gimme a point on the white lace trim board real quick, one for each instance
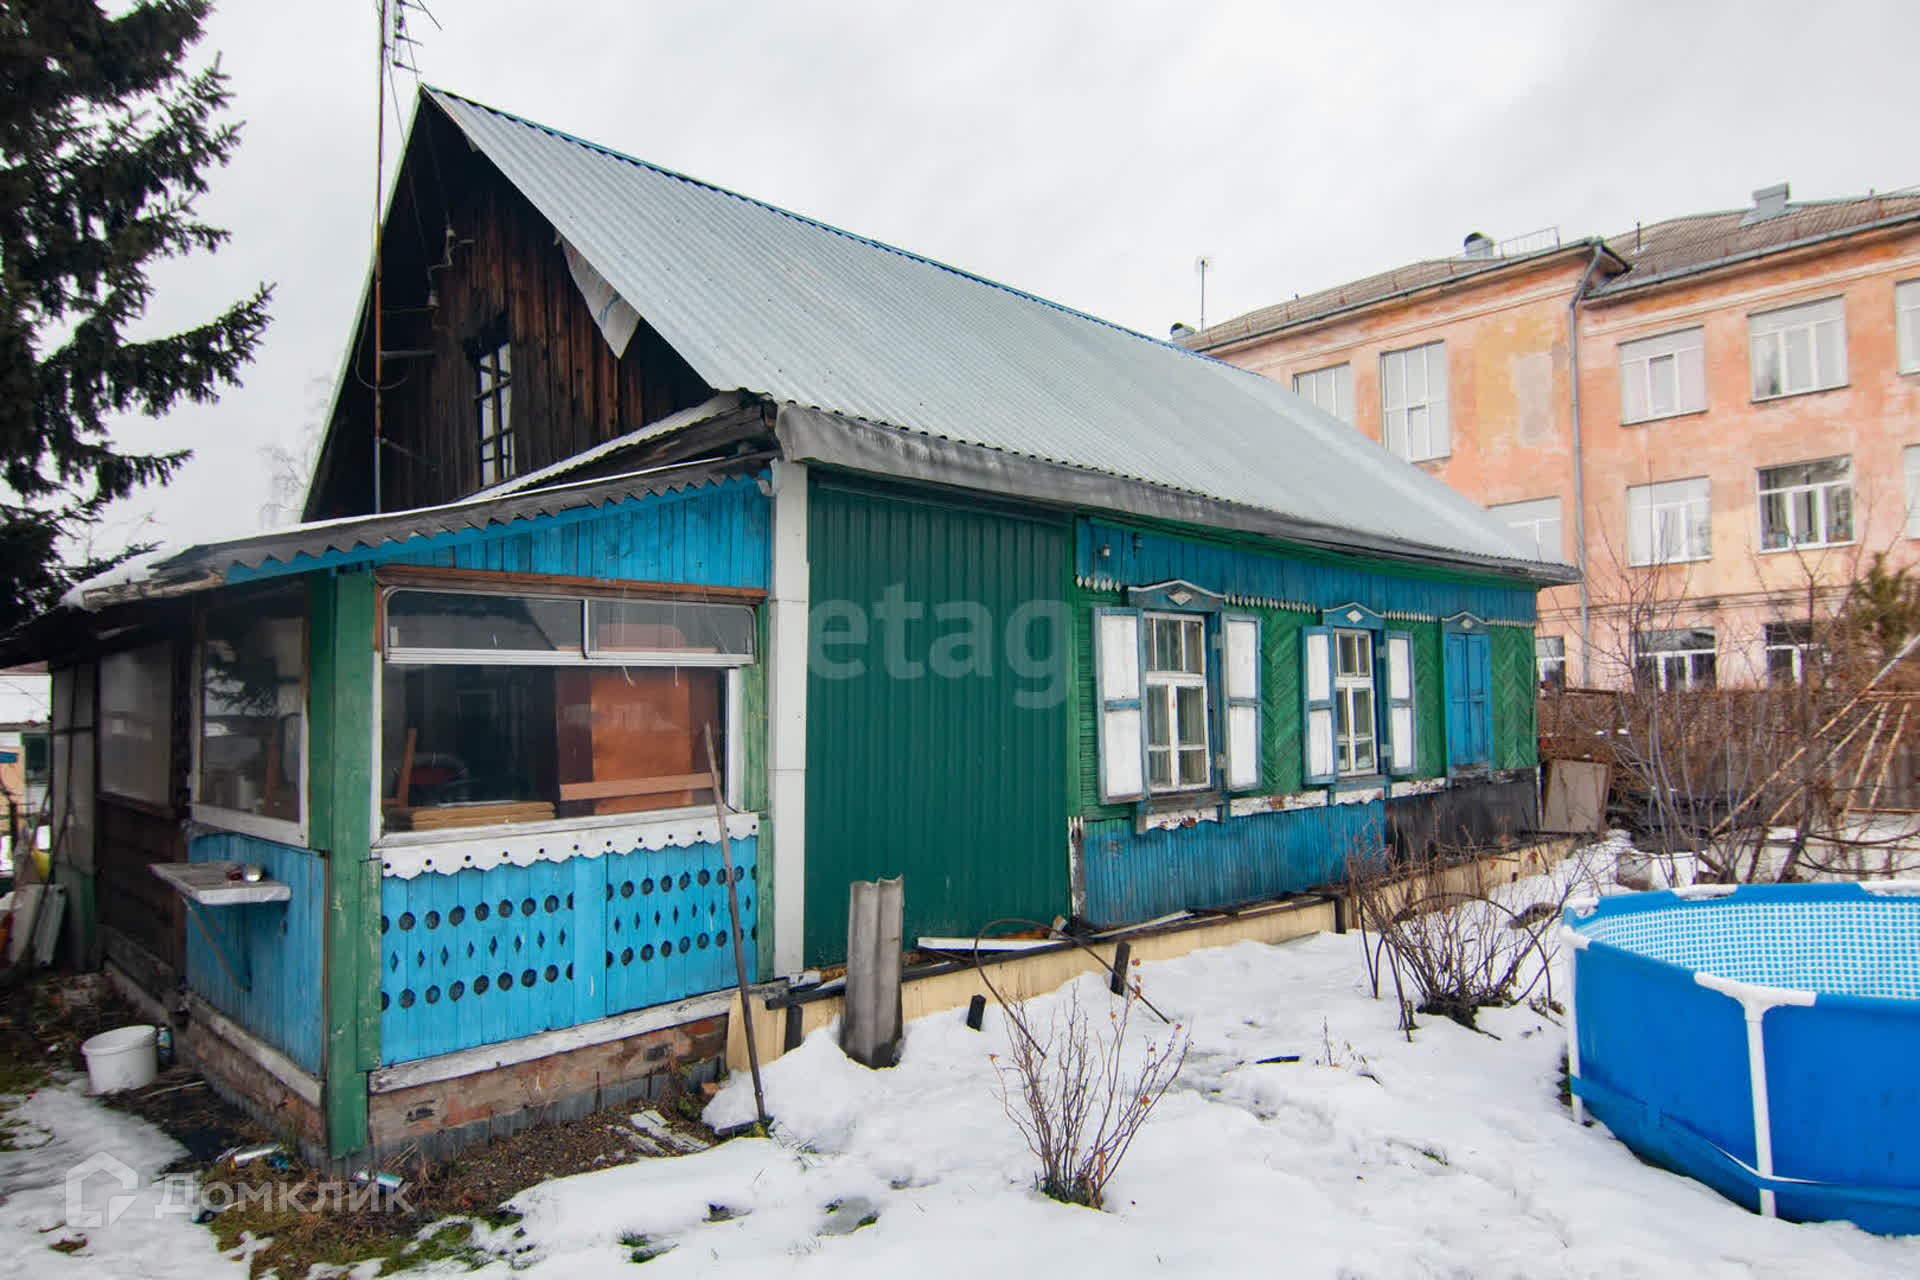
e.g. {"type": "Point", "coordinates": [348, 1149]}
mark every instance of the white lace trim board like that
{"type": "Point", "coordinates": [523, 849]}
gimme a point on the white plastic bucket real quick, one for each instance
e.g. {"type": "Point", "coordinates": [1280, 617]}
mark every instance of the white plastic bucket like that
{"type": "Point", "coordinates": [123, 1058]}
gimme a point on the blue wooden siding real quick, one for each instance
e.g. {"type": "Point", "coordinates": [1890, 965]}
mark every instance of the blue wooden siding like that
{"type": "Point", "coordinates": [1132, 877]}
{"type": "Point", "coordinates": [477, 957]}
{"type": "Point", "coordinates": [718, 535]}
{"type": "Point", "coordinates": [274, 947]}
{"type": "Point", "coordinates": [1137, 559]}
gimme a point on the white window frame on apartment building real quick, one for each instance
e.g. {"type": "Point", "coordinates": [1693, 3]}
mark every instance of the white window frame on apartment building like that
{"type": "Point", "coordinates": [1663, 376]}
{"type": "Point", "coordinates": [1684, 658]}
{"type": "Point", "coordinates": [1669, 522]}
{"type": "Point", "coordinates": [1911, 465]}
{"type": "Point", "coordinates": [1806, 504]}
{"type": "Point", "coordinates": [1550, 661]}
{"type": "Point", "coordinates": [1790, 650]}
{"type": "Point", "coordinates": [1798, 349]}
{"type": "Point", "coordinates": [1330, 389]}
{"type": "Point", "coordinates": [1413, 402]}
{"type": "Point", "coordinates": [1537, 521]}
{"type": "Point", "coordinates": [1906, 323]}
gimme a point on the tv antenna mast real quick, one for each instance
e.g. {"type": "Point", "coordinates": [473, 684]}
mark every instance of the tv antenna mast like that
{"type": "Point", "coordinates": [1201, 264]}
{"type": "Point", "coordinates": [396, 52]}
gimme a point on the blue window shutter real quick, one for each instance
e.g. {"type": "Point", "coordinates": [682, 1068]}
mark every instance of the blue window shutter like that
{"type": "Point", "coordinates": [1469, 722]}
{"type": "Point", "coordinates": [1240, 682]}
{"type": "Point", "coordinates": [1401, 734]}
{"type": "Point", "coordinates": [1316, 690]}
{"type": "Point", "coordinates": [1119, 719]}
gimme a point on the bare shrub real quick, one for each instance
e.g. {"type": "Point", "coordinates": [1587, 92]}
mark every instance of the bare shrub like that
{"type": "Point", "coordinates": [1453, 932]}
{"type": "Point", "coordinates": [1066, 1089]}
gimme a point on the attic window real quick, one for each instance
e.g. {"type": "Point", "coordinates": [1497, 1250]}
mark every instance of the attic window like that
{"type": "Point", "coordinates": [493, 381]}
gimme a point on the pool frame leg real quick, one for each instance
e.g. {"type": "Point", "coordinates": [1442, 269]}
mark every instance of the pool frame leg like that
{"type": "Point", "coordinates": [1754, 1002]}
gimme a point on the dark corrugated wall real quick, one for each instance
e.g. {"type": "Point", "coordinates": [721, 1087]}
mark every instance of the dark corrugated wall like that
{"type": "Point", "coordinates": [956, 781]}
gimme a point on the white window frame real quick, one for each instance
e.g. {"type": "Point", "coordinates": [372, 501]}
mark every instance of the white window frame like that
{"type": "Point", "coordinates": [1906, 323]}
{"type": "Point", "coordinates": [1414, 426]}
{"type": "Point", "coordinates": [1353, 689]}
{"type": "Point", "coordinates": [1550, 654]}
{"type": "Point", "coordinates": [1163, 685]}
{"type": "Point", "coordinates": [493, 409]}
{"type": "Point", "coordinates": [732, 697]}
{"type": "Point", "coordinates": [1678, 669]}
{"type": "Point", "coordinates": [1820, 497]}
{"type": "Point", "coordinates": [1674, 363]}
{"type": "Point", "coordinates": [1793, 637]}
{"type": "Point", "coordinates": [279, 830]}
{"type": "Point", "coordinates": [1771, 339]}
{"type": "Point", "coordinates": [1667, 506]}
{"type": "Point", "coordinates": [1329, 389]}
{"type": "Point", "coordinates": [1539, 522]}
{"type": "Point", "coordinates": [1910, 460]}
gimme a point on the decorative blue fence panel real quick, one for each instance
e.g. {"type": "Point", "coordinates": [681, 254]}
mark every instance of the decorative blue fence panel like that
{"type": "Point", "coordinates": [668, 932]}
{"type": "Point", "coordinates": [265, 974]}
{"type": "Point", "coordinates": [1132, 877]}
{"type": "Point", "coordinates": [1110, 553]}
{"type": "Point", "coordinates": [481, 956]}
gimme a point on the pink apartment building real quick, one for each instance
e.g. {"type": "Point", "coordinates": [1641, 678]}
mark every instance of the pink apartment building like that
{"type": "Point", "coordinates": [1720, 412]}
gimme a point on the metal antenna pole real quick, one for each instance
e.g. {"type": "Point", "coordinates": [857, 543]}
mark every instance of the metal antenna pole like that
{"type": "Point", "coordinates": [379, 177]}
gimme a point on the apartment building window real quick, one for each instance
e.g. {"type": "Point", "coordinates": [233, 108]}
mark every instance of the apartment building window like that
{"type": "Point", "coordinates": [1413, 399]}
{"type": "Point", "coordinates": [1791, 651]}
{"type": "Point", "coordinates": [1536, 521]}
{"type": "Point", "coordinates": [1912, 460]}
{"type": "Point", "coordinates": [1663, 376]}
{"type": "Point", "coordinates": [1669, 522]}
{"type": "Point", "coordinates": [493, 382]}
{"type": "Point", "coordinates": [1798, 349]}
{"type": "Point", "coordinates": [1808, 504]}
{"type": "Point", "coordinates": [1673, 660]}
{"type": "Point", "coordinates": [1550, 661]}
{"type": "Point", "coordinates": [1330, 389]}
{"type": "Point", "coordinates": [1906, 318]}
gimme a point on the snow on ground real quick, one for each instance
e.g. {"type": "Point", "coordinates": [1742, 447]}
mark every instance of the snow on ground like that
{"type": "Point", "coordinates": [1369, 1157]}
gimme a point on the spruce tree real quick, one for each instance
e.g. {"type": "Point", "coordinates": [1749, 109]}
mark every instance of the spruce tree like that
{"type": "Point", "coordinates": [106, 135]}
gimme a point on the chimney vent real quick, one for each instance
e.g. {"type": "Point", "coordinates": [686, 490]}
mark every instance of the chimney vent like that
{"type": "Point", "coordinates": [1478, 246]}
{"type": "Point", "coordinates": [1768, 202]}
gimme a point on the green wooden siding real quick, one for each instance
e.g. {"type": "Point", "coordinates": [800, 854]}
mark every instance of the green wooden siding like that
{"type": "Point", "coordinates": [953, 781]}
{"type": "Point", "coordinates": [340, 706]}
{"type": "Point", "coordinates": [1516, 742]}
{"type": "Point", "coordinates": [1430, 700]}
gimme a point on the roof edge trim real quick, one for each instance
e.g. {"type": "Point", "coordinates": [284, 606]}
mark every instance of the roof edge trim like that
{"type": "Point", "coordinates": [817, 435]}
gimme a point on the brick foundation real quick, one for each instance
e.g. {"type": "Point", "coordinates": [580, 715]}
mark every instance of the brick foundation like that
{"type": "Point", "coordinates": [442, 1116]}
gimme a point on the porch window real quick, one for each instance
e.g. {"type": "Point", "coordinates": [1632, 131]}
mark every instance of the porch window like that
{"type": "Point", "coordinates": [253, 710]}
{"type": "Point", "coordinates": [500, 708]}
{"type": "Point", "coordinates": [136, 712]}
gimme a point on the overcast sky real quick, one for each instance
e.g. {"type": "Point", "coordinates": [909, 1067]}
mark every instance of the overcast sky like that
{"type": "Point", "coordinates": [1085, 152]}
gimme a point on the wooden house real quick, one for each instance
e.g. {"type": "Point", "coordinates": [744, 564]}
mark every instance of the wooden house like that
{"type": "Point", "coordinates": [1051, 618]}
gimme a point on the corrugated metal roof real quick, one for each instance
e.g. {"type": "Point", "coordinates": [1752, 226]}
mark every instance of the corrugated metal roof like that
{"type": "Point", "coordinates": [756, 298]}
{"type": "Point", "coordinates": [1686, 246]}
{"type": "Point", "coordinates": [176, 571]}
{"type": "Point", "coordinates": [1358, 293]}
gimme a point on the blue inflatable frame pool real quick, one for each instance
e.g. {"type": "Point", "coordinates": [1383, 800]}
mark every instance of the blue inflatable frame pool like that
{"type": "Point", "coordinates": [1764, 1039]}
